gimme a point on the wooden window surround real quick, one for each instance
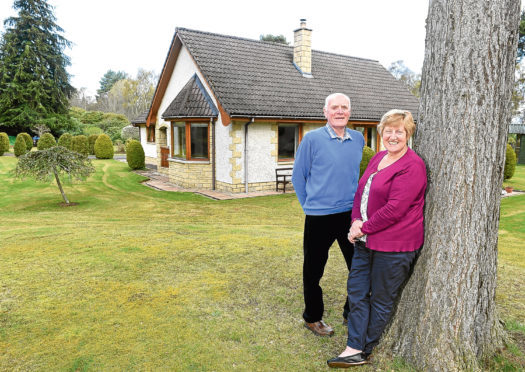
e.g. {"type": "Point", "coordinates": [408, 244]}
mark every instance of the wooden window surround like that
{"type": "Point", "coordinates": [190, 140]}
{"type": "Point", "coordinates": [150, 133]}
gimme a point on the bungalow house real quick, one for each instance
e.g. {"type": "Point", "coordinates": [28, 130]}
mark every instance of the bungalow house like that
{"type": "Point", "coordinates": [227, 111]}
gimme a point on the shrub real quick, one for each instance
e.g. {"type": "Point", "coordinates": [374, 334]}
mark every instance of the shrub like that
{"type": "Point", "coordinates": [80, 144]}
{"type": "Point", "coordinates": [104, 147]}
{"type": "Point", "coordinates": [135, 155]}
{"type": "Point", "coordinates": [129, 132]}
{"type": "Point", "coordinates": [91, 129]}
{"type": "Point", "coordinates": [28, 139]}
{"type": "Point", "coordinates": [4, 143]}
{"type": "Point", "coordinates": [65, 140]}
{"type": "Point", "coordinates": [46, 141]}
{"type": "Point", "coordinates": [20, 147]}
{"type": "Point", "coordinates": [510, 163]}
{"type": "Point", "coordinates": [91, 143]}
{"type": "Point", "coordinates": [113, 133]}
{"type": "Point", "coordinates": [368, 153]}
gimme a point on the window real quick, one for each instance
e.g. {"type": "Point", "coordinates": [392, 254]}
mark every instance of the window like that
{"type": "Point", "coordinates": [199, 140]}
{"type": "Point", "coordinates": [370, 134]}
{"type": "Point", "coordinates": [190, 141]}
{"type": "Point", "coordinates": [288, 141]}
{"type": "Point", "coordinates": [150, 133]}
{"type": "Point", "coordinates": [179, 140]}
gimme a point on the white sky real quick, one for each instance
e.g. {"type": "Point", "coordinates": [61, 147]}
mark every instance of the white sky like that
{"type": "Point", "coordinates": [130, 34]}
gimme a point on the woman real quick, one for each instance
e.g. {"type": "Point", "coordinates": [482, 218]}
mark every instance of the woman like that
{"type": "Point", "coordinates": [387, 229]}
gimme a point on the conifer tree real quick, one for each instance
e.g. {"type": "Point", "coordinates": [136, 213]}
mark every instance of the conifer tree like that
{"type": "Point", "coordinates": [34, 83]}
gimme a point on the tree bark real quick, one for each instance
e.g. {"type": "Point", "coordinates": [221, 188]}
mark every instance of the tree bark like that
{"type": "Point", "coordinates": [446, 318]}
{"type": "Point", "coordinates": [60, 187]}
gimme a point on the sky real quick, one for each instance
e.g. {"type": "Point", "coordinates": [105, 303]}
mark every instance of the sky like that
{"type": "Point", "coordinates": [125, 35]}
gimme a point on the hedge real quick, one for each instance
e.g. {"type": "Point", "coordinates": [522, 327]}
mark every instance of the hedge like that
{"type": "Point", "coordinates": [46, 141]}
{"type": "Point", "coordinates": [135, 155]}
{"type": "Point", "coordinates": [4, 143]}
{"type": "Point", "coordinates": [104, 147]}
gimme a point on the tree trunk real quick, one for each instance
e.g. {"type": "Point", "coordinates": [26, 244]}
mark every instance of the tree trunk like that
{"type": "Point", "coordinates": [446, 318]}
{"type": "Point", "coordinates": [60, 186]}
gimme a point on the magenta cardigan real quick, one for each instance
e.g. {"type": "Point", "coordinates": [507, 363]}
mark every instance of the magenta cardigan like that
{"type": "Point", "coordinates": [395, 204]}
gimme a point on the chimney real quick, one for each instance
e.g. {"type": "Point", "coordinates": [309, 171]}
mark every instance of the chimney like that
{"type": "Point", "coordinates": [302, 49]}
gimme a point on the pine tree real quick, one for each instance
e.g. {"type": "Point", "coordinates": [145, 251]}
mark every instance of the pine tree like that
{"type": "Point", "coordinates": [34, 83]}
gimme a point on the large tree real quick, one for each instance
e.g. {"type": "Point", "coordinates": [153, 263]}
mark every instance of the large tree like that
{"type": "Point", "coordinates": [34, 83]}
{"type": "Point", "coordinates": [279, 39]}
{"type": "Point", "coordinates": [446, 319]}
{"type": "Point", "coordinates": [109, 79]}
{"type": "Point", "coordinates": [129, 96]}
{"type": "Point", "coordinates": [401, 72]}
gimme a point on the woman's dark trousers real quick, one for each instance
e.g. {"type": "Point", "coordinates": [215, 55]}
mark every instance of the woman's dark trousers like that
{"type": "Point", "coordinates": [320, 232]}
{"type": "Point", "coordinates": [373, 285]}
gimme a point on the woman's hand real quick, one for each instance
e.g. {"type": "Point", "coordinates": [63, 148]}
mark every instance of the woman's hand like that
{"type": "Point", "coordinates": [355, 231]}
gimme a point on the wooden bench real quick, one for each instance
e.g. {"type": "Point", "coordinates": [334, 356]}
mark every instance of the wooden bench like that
{"type": "Point", "coordinates": [283, 176]}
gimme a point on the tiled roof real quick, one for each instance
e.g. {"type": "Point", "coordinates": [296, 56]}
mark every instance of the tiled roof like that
{"type": "Point", "coordinates": [257, 78]}
{"type": "Point", "coordinates": [192, 101]}
{"type": "Point", "coordinates": [141, 119]}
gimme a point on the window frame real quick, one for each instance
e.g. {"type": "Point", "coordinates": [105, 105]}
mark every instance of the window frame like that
{"type": "Point", "coordinates": [187, 134]}
{"type": "Point", "coordinates": [299, 139]}
{"type": "Point", "coordinates": [150, 133]}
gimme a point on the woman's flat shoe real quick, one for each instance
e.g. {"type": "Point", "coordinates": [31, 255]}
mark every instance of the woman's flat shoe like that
{"type": "Point", "coordinates": [347, 361]}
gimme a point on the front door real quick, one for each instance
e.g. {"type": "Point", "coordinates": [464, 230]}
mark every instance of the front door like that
{"type": "Point", "coordinates": [164, 153]}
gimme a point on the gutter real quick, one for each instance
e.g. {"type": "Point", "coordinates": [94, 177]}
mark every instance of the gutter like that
{"type": "Point", "coordinates": [246, 154]}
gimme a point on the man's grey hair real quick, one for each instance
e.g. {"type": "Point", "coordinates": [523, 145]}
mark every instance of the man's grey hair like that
{"type": "Point", "coordinates": [333, 95]}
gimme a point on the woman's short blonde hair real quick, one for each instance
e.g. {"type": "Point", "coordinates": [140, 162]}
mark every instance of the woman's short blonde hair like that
{"type": "Point", "coordinates": [394, 116]}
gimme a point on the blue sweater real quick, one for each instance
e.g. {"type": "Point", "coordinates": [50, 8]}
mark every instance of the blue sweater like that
{"type": "Point", "coordinates": [326, 171]}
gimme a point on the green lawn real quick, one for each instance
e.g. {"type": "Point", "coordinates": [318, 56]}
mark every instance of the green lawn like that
{"type": "Point", "coordinates": [137, 279]}
{"type": "Point", "coordinates": [518, 180]}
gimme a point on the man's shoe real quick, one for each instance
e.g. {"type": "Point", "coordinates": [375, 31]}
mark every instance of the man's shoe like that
{"type": "Point", "coordinates": [347, 361]}
{"type": "Point", "coordinates": [320, 328]}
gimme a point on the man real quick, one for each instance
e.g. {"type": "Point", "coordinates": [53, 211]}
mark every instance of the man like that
{"type": "Point", "coordinates": [325, 175]}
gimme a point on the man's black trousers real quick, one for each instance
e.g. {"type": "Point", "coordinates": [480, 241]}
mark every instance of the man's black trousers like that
{"type": "Point", "coordinates": [320, 232]}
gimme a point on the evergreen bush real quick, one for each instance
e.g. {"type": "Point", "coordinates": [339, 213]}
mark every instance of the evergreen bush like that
{"type": "Point", "coordinates": [4, 143]}
{"type": "Point", "coordinates": [91, 143]}
{"type": "Point", "coordinates": [368, 153]}
{"type": "Point", "coordinates": [65, 140]}
{"type": "Point", "coordinates": [510, 163]}
{"type": "Point", "coordinates": [20, 147]}
{"type": "Point", "coordinates": [46, 141]}
{"type": "Point", "coordinates": [28, 139]}
{"type": "Point", "coordinates": [104, 147]}
{"type": "Point", "coordinates": [88, 130]}
{"type": "Point", "coordinates": [135, 155]}
{"type": "Point", "coordinates": [80, 144]}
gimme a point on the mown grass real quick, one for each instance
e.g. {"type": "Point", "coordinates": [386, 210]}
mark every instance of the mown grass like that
{"type": "Point", "coordinates": [518, 180]}
{"type": "Point", "coordinates": [137, 279]}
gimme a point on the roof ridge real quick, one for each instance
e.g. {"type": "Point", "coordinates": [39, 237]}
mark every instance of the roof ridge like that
{"type": "Point", "coordinates": [268, 43]}
{"type": "Point", "coordinates": [177, 29]}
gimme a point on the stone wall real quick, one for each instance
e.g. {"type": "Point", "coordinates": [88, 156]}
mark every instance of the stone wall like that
{"type": "Point", "coordinates": [191, 175]}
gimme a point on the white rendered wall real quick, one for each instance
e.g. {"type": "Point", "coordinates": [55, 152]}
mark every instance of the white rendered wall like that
{"type": "Point", "coordinates": [150, 148]}
{"type": "Point", "coordinates": [261, 163]}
